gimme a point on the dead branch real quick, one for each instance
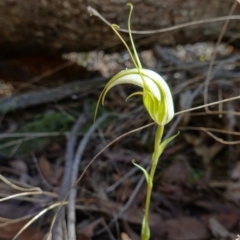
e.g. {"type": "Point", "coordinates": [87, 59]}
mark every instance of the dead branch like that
{"type": "Point", "coordinates": [34, 98]}
{"type": "Point", "coordinates": [65, 186]}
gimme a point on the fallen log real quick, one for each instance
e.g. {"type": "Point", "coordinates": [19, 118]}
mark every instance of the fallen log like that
{"type": "Point", "coordinates": [39, 26]}
{"type": "Point", "coordinates": [35, 98]}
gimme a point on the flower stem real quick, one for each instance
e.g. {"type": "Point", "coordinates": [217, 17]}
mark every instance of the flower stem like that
{"type": "Point", "coordinates": [145, 234]}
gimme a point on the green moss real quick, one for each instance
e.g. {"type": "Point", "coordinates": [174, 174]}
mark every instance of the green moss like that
{"type": "Point", "coordinates": [48, 122]}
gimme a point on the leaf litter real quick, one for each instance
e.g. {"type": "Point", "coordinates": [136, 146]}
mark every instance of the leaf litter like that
{"type": "Point", "coordinates": [196, 190]}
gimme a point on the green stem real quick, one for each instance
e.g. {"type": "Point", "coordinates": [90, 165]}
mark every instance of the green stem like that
{"type": "Point", "coordinates": [156, 154]}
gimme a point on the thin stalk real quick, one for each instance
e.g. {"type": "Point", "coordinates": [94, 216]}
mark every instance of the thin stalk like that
{"type": "Point", "coordinates": [114, 28]}
{"type": "Point", "coordinates": [131, 38]}
{"type": "Point", "coordinates": [145, 235]}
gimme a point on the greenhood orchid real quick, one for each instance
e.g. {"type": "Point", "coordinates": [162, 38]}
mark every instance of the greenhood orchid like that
{"type": "Point", "coordinates": [156, 94]}
{"type": "Point", "coordinates": [157, 100]}
{"type": "Point", "coordinates": [157, 97]}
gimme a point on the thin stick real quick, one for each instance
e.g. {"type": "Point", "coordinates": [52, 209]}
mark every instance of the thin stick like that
{"type": "Point", "coordinates": [66, 181]}
{"type": "Point", "coordinates": [12, 185]}
{"type": "Point", "coordinates": [27, 199]}
{"type": "Point", "coordinates": [210, 129]}
{"type": "Point", "coordinates": [37, 134]}
{"type": "Point", "coordinates": [94, 12]}
{"type": "Point", "coordinates": [221, 140]}
{"type": "Point", "coordinates": [28, 193]}
{"type": "Point", "coordinates": [37, 216]}
{"type": "Point", "coordinates": [207, 131]}
{"type": "Point", "coordinates": [206, 105]}
{"type": "Point", "coordinates": [215, 113]}
{"type": "Point", "coordinates": [74, 173]}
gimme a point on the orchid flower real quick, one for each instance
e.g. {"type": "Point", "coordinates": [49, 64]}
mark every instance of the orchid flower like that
{"type": "Point", "coordinates": [158, 102]}
{"type": "Point", "coordinates": [157, 97]}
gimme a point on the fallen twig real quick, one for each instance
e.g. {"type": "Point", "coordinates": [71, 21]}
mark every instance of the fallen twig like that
{"type": "Point", "coordinates": [66, 182]}
{"type": "Point", "coordinates": [74, 173]}
{"type": "Point", "coordinates": [34, 98]}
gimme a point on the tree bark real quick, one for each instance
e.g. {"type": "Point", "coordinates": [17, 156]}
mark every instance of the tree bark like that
{"type": "Point", "coordinates": [33, 26]}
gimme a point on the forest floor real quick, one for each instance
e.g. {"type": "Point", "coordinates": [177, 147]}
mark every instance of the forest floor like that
{"type": "Point", "coordinates": [47, 131]}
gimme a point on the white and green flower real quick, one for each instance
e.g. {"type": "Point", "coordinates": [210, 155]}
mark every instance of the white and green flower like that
{"type": "Point", "coordinates": [157, 97]}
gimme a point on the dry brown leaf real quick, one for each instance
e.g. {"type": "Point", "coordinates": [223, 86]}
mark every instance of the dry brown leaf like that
{"type": "Point", "coordinates": [124, 191]}
{"type": "Point", "coordinates": [174, 178]}
{"type": "Point", "coordinates": [131, 215]}
{"type": "Point", "coordinates": [124, 236]}
{"type": "Point", "coordinates": [227, 220]}
{"type": "Point", "coordinates": [87, 232]}
{"type": "Point", "coordinates": [9, 231]}
{"type": "Point", "coordinates": [47, 170]}
{"type": "Point", "coordinates": [184, 228]}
